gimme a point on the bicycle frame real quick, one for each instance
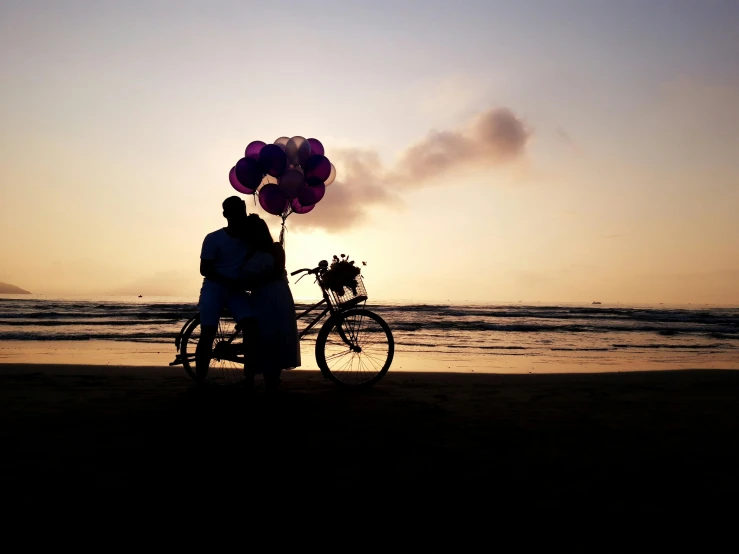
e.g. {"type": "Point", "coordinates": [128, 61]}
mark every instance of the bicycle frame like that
{"type": "Point", "coordinates": [318, 318]}
{"type": "Point", "coordinates": [329, 308]}
{"type": "Point", "coordinates": [324, 301]}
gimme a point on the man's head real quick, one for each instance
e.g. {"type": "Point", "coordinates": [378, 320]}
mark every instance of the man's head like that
{"type": "Point", "coordinates": [234, 209]}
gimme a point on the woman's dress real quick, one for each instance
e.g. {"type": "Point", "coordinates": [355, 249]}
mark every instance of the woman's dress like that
{"type": "Point", "coordinates": [274, 309]}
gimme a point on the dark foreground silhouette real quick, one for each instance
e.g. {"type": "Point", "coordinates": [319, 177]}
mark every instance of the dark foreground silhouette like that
{"type": "Point", "coordinates": [559, 445]}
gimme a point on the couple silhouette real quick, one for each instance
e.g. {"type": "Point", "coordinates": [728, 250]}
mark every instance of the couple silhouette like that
{"type": "Point", "coordinates": [243, 270]}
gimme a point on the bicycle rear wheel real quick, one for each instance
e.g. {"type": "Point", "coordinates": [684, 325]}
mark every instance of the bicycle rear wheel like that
{"type": "Point", "coordinates": [227, 353]}
{"type": "Point", "coordinates": [355, 348]}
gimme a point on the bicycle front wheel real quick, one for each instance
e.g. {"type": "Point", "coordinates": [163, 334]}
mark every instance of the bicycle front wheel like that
{"type": "Point", "coordinates": [355, 348]}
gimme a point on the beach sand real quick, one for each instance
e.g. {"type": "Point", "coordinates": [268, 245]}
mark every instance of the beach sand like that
{"type": "Point", "coordinates": [609, 443]}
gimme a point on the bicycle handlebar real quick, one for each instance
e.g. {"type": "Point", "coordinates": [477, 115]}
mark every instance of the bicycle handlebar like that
{"type": "Point", "coordinates": [322, 265]}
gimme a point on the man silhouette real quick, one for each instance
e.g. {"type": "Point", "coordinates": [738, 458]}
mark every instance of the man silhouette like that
{"type": "Point", "coordinates": [224, 253]}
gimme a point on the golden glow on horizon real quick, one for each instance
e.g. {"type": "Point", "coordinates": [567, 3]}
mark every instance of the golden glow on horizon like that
{"type": "Point", "coordinates": [114, 168]}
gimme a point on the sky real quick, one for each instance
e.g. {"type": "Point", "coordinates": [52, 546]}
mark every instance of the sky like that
{"type": "Point", "coordinates": [552, 151]}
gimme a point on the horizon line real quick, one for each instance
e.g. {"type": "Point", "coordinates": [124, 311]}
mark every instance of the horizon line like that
{"type": "Point", "coordinates": [313, 299]}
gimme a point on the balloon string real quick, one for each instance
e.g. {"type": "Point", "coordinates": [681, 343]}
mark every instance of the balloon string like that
{"type": "Point", "coordinates": [282, 234]}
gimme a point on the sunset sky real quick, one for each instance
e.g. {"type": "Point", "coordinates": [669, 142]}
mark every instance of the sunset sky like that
{"type": "Point", "coordinates": [486, 151]}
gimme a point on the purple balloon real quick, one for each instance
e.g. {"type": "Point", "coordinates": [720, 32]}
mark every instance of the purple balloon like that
{"type": "Point", "coordinates": [249, 173]}
{"type": "Point", "coordinates": [253, 149]}
{"type": "Point", "coordinates": [312, 194]}
{"type": "Point", "coordinates": [318, 167]}
{"type": "Point", "coordinates": [272, 159]}
{"type": "Point", "coordinates": [316, 147]}
{"type": "Point", "coordinates": [292, 182]}
{"type": "Point", "coordinates": [272, 199]}
{"type": "Point", "coordinates": [235, 182]}
{"type": "Point", "coordinates": [299, 208]}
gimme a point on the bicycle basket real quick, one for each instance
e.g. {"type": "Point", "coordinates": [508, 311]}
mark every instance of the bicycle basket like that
{"type": "Point", "coordinates": [347, 296]}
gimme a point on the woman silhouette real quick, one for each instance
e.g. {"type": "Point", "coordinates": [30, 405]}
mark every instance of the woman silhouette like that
{"type": "Point", "coordinates": [272, 303]}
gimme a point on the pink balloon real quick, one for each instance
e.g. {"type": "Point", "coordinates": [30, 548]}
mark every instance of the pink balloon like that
{"type": "Point", "coordinates": [253, 149]}
{"type": "Point", "coordinates": [235, 182]}
{"type": "Point", "coordinates": [298, 208]}
{"type": "Point", "coordinates": [292, 182]}
{"type": "Point", "coordinates": [272, 199]}
{"type": "Point", "coordinates": [316, 147]}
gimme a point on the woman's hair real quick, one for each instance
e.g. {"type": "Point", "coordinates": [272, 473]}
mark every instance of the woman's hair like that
{"type": "Point", "coordinates": [257, 233]}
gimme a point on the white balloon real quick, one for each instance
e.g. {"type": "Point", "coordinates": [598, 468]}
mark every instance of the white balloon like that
{"type": "Point", "coordinates": [298, 150]}
{"type": "Point", "coordinates": [282, 142]}
{"type": "Point", "coordinates": [331, 176]}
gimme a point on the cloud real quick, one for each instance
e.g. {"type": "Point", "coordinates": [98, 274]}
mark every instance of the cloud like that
{"type": "Point", "coordinates": [348, 200]}
{"type": "Point", "coordinates": [493, 138]}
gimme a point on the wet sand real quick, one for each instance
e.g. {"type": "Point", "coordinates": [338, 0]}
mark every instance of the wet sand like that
{"type": "Point", "coordinates": [652, 443]}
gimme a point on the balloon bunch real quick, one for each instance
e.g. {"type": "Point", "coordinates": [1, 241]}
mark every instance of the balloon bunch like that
{"type": "Point", "coordinates": [289, 176]}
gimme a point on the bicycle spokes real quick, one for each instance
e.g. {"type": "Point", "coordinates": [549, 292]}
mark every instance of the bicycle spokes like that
{"type": "Point", "coordinates": [227, 353]}
{"type": "Point", "coordinates": [357, 349]}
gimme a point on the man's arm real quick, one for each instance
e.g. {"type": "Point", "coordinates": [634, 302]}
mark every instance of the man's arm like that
{"type": "Point", "coordinates": [208, 270]}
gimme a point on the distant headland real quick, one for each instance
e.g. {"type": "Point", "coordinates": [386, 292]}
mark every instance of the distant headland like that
{"type": "Point", "coordinates": [5, 288]}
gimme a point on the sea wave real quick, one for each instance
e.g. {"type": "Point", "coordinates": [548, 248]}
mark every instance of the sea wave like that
{"type": "Point", "coordinates": [494, 328]}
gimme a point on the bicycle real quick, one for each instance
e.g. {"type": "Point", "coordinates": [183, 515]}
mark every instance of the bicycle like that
{"type": "Point", "coordinates": [354, 348]}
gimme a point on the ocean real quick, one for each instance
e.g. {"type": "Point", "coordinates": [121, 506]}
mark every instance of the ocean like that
{"type": "Point", "coordinates": [498, 337]}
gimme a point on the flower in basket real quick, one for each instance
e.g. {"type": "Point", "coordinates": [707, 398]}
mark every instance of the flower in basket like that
{"type": "Point", "coordinates": [341, 273]}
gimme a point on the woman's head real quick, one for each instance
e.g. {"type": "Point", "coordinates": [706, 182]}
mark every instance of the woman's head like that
{"type": "Point", "coordinates": [257, 232]}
